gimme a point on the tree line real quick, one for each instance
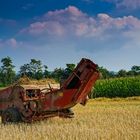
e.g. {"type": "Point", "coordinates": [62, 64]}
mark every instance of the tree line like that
{"type": "Point", "coordinates": [105, 74]}
{"type": "Point", "coordinates": [36, 70]}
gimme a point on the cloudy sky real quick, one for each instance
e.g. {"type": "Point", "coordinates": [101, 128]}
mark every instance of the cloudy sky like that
{"type": "Point", "coordinates": [63, 31]}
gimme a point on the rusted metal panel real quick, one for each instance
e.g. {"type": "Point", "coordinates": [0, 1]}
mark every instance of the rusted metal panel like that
{"type": "Point", "coordinates": [76, 87]}
{"type": "Point", "coordinates": [40, 101]}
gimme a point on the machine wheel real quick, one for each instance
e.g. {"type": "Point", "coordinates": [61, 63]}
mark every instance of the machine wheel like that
{"type": "Point", "coordinates": [11, 115]}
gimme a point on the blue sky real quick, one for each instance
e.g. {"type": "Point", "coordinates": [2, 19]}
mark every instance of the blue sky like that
{"type": "Point", "coordinates": [63, 31]}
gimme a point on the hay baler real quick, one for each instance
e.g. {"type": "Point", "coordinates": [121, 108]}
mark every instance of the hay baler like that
{"type": "Point", "coordinates": [33, 102]}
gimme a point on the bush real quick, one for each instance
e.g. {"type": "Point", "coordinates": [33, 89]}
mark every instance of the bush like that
{"type": "Point", "coordinates": [1, 85]}
{"type": "Point", "coordinates": [117, 87]}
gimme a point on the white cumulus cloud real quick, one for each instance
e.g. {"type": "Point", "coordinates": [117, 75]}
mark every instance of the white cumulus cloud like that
{"type": "Point", "coordinates": [73, 22]}
{"type": "Point", "coordinates": [129, 4]}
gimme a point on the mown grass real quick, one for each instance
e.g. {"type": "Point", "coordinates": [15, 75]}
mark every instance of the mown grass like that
{"type": "Point", "coordinates": [100, 119]}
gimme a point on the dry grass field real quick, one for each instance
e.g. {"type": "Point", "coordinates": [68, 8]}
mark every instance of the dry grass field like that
{"type": "Point", "coordinates": [100, 119]}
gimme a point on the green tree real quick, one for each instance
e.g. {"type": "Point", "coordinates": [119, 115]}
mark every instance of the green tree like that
{"type": "Point", "coordinates": [36, 69]}
{"type": "Point", "coordinates": [112, 74]}
{"type": "Point", "coordinates": [136, 69]}
{"type": "Point", "coordinates": [131, 73]}
{"type": "Point", "coordinates": [24, 70]}
{"type": "Point", "coordinates": [57, 74]}
{"type": "Point", "coordinates": [122, 73]}
{"type": "Point", "coordinates": [68, 70]}
{"type": "Point", "coordinates": [32, 70]}
{"type": "Point", "coordinates": [70, 67]}
{"type": "Point", "coordinates": [7, 71]}
{"type": "Point", "coordinates": [104, 72]}
{"type": "Point", "coordinates": [46, 73]}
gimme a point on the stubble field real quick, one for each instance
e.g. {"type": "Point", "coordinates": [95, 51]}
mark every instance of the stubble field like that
{"type": "Point", "coordinates": [100, 119]}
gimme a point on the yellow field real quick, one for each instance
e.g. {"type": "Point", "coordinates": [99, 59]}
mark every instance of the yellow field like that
{"type": "Point", "coordinates": [100, 119]}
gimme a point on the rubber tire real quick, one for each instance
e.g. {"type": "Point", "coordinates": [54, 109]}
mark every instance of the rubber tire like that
{"type": "Point", "coordinates": [11, 115]}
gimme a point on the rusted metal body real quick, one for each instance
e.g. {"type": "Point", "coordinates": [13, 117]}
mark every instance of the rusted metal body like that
{"type": "Point", "coordinates": [31, 102]}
